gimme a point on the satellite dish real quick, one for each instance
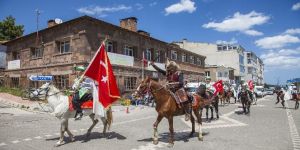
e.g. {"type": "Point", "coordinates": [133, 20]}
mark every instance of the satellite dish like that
{"type": "Point", "coordinates": [58, 21]}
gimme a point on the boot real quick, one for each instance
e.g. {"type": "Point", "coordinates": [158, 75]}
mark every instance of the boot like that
{"type": "Point", "coordinates": [78, 115]}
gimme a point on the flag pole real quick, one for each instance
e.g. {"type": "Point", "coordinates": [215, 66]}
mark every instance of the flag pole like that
{"type": "Point", "coordinates": [143, 66]}
{"type": "Point", "coordinates": [82, 76]}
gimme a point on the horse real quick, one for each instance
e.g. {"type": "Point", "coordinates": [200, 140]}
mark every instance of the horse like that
{"type": "Point", "coordinates": [296, 97]}
{"type": "Point", "coordinates": [280, 96]}
{"type": "Point", "coordinates": [167, 107]}
{"type": "Point", "coordinates": [60, 104]}
{"type": "Point", "coordinates": [245, 100]}
{"type": "Point", "coordinates": [213, 103]}
{"type": "Point", "coordinates": [223, 97]}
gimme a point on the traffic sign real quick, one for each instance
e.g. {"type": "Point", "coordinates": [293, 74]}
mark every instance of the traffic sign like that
{"type": "Point", "coordinates": [41, 78]}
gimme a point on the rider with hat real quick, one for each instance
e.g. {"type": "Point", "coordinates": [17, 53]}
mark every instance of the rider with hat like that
{"type": "Point", "coordinates": [243, 87]}
{"type": "Point", "coordinates": [175, 85]}
{"type": "Point", "coordinates": [83, 91]}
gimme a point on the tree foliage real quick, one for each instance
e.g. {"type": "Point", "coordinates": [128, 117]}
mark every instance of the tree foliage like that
{"type": "Point", "coordinates": [9, 30]}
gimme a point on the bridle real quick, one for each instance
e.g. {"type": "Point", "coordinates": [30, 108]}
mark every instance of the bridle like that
{"type": "Point", "coordinates": [148, 89]}
{"type": "Point", "coordinates": [39, 90]}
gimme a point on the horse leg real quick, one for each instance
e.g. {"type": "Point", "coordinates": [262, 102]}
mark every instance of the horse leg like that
{"type": "Point", "coordinates": [104, 121]}
{"type": "Point", "coordinates": [282, 103]}
{"type": "Point", "coordinates": [193, 124]}
{"type": "Point", "coordinates": [199, 120]}
{"type": "Point", "coordinates": [217, 110]}
{"type": "Point", "coordinates": [95, 121]}
{"type": "Point", "coordinates": [243, 104]}
{"type": "Point", "coordinates": [207, 107]}
{"type": "Point", "coordinates": [212, 112]}
{"type": "Point", "coordinates": [62, 132]}
{"type": "Point", "coordinates": [171, 129]}
{"type": "Point", "coordinates": [155, 125]}
{"type": "Point", "coordinates": [68, 131]}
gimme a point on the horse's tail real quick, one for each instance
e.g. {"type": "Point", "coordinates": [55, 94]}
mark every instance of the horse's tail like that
{"type": "Point", "coordinates": [109, 118]}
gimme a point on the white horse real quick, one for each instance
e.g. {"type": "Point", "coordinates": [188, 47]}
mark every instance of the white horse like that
{"type": "Point", "coordinates": [60, 104]}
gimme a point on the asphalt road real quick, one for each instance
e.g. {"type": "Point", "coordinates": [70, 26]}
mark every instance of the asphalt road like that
{"type": "Point", "coordinates": [268, 127]}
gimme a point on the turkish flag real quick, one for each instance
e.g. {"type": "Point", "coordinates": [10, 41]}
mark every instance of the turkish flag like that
{"type": "Point", "coordinates": [218, 86]}
{"type": "Point", "coordinates": [250, 84]}
{"type": "Point", "coordinates": [101, 71]}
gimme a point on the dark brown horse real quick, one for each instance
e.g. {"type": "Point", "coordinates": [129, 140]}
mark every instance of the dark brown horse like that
{"type": "Point", "coordinates": [245, 100]}
{"type": "Point", "coordinates": [280, 96]}
{"type": "Point", "coordinates": [167, 107]}
{"type": "Point", "coordinates": [296, 97]}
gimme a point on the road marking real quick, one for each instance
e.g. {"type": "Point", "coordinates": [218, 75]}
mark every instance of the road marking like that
{"type": "Point", "coordinates": [15, 142]}
{"type": "Point", "coordinates": [38, 137]}
{"type": "Point", "coordinates": [151, 146]}
{"type": "Point", "coordinates": [27, 139]}
{"type": "Point", "coordinates": [48, 135]}
{"type": "Point", "coordinates": [293, 130]}
{"type": "Point", "coordinates": [2, 144]}
{"type": "Point", "coordinates": [223, 122]}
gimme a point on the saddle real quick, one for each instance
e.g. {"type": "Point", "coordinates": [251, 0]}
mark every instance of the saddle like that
{"type": "Point", "coordinates": [181, 95]}
{"type": "Point", "coordinates": [199, 100]}
{"type": "Point", "coordinates": [85, 105]}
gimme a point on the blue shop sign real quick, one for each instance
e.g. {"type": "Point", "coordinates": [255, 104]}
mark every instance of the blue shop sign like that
{"type": "Point", "coordinates": [41, 78]}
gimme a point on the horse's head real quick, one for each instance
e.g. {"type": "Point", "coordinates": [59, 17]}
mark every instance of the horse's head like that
{"type": "Point", "coordinates": [41, 92]}
{"type": "Point", "coordinates": [143, 88]}
{"type": "Point", "coordinates": [201, 89]}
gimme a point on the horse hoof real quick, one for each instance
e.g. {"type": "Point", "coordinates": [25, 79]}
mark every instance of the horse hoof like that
{"type": "Point", "coordinates": [200, 138]}
{"type": "Point", "coordinates": [88, 135]}
{"type": "Point", "coordinates": [191, 134]}
{"type": "Point", "coordinates": [72, 139]}
{"type": "Point", "coordinates": [155, 142]}
{"type": "Point", "coordinates": [170, 145]}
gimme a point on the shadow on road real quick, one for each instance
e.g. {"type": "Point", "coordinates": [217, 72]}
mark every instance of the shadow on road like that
{"type": "Point", "coordinates": [178, 136]}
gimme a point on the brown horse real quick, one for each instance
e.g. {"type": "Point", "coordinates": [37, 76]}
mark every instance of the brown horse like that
{"type": "Point", "coordinates": [296, 97]}
{"type": "Point", "coordinates": [167, 107]}
{"type": "Point", "coordinates": [280, 96]}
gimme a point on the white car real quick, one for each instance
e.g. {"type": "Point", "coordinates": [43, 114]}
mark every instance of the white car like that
{"type": "Point", "coordinates": [259, 91]}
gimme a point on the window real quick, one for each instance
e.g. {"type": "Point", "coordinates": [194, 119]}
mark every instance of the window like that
{"type": "Point", "coordinates": [157, 56]}
{"type": "Point", "coordinates": [148, 54]}
{"type": "Point", "coordinates": [15, 55]}
{"type": "Point", "coordinates": [130, 83]}
{"type": "Point", "coordinates": [207, 73]}
{"type": "Point", "coordinates": [128, 50]}
{"type": "Point", "coordinates": [61, 81]}
{"type": "Point", "coordinates": [183, 57]}
{"type": "Point", "coordinates": [242, 69]}
{"type": "Point", "coordinates": [249, 70]}
{"type": "Point", "coordinates": [199, 62]}
{"type": "Point", "coordinates": [174, 55]}
{"type": "Point", "coordinates": [37, 52]}
{"type": "Point", "coordinates": [220, 47]}
{"type": "Point", "coordinates": [35, 84]}
{"type": "Point", "coordinates": [109, 46]}
{"type": "Point", "coordinates": [226, 74]}
{"type": "Point", "coordinates": [15, 82]}
{"type": "Point", "coordinates": [192, 60]}
{"type": "Point", "coordinates": [241, 59]}
{"type": "Point", "coordinates": [219, 74]}
{"type": "Point", "coordinates": [64, 47]}
{"type": "Point", "coordinates": [249, 61]}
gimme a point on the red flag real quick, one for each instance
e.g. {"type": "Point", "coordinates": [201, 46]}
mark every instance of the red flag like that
{"type": "Point", "coordinates": [250, 84]}
{"type": "Point", "coordinates": [218, 86]}
{"type": "Point", "coordinates": [101, 71]}
{"type": "Point", "coordinates": [145, 62]}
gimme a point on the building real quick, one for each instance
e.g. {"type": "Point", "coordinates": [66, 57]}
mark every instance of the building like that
{"type": "Point", "coordinates": [219, 73]}
{"type": "Point", "coordinates": [226, 55]}
{"type": "Point", "coordinates": [62, 46]}
{"type": "Point", "coordinates": [254, 68]}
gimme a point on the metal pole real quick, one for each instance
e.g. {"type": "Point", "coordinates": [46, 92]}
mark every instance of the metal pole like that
{"type": "Point", "coordinates": [143, 66]}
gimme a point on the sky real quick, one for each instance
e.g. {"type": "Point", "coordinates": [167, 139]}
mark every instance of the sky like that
{"type": "Point", "coordinates": [269, 28]}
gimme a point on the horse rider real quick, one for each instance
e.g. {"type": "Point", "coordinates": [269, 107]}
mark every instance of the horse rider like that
{"type": "Point", "coordinates": [243, 87]}
{"type": "Point", "coordinates": [280, 96]}
{"type": "Point", "coordinates": [209, 86]}
{"type": "Point", "coordinates": [83, 91]}
{"type": "Point", "coordinates": [176, 85]}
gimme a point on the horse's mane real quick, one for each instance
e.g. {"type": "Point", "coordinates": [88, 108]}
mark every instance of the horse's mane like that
{"type": "Point", "coordinates": [54, 89]}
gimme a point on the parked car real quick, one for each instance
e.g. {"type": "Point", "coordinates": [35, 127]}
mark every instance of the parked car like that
{"type": "Point", "coordinates": [259, 91]}
{"type": "Point", "coordinates": [268, 92]}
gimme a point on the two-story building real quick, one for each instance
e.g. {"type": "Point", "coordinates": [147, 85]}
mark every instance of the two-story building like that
{"type": "Point", "coordinates": [57, 49]}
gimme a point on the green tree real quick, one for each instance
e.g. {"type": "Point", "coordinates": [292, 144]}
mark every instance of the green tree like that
{"type": "Point", "coordinates": [9, 30]}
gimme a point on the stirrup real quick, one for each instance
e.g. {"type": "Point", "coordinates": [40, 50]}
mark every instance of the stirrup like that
{"type": "Point", "coordinates": [187, 117]}
{"type": "Point", "coordinates": [78, 115]}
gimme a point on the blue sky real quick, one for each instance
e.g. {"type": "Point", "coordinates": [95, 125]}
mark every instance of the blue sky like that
{"type": "Point", "coordinates": [270, 28]}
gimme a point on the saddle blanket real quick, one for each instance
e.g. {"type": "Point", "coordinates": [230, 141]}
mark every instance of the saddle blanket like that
{"type": "Point", "coordinates": [85, 105]}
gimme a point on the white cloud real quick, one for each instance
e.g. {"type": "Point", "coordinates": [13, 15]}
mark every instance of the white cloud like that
{"type": "Point", "coordinates": [232, 41]}
{"type": "Point", "coordinates": [296, 6]}
{"type": "Point", "coordinates": [285, 58]}
{"type": "Point", "coordinates": [253, 32]}
{"type": "Point", "coordinates": [153, 4]}
{"type": "Point", "coordinates": [292, 31]}
{"type": "Point", "coordinates": [240, 22]}
{"type": "Point", "coordinates": [182, 6]}
{"type": "Point", "coordinates": [102, 11]}
{"type": "Point", "coordinates": [277, 41]}
{"type": "Point", "coordinates": [139, 6]}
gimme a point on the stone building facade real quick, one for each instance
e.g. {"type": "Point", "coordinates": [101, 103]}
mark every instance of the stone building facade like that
{"type": "Point", "coordinates": [60, 47]}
